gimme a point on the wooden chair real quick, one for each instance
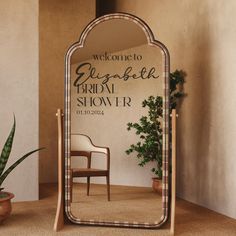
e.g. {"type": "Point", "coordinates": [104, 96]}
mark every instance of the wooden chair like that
{"type": "Point", "coordinates": [82, 146]}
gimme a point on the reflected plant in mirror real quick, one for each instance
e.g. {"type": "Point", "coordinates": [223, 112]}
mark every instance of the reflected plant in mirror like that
{"type": "Point", "coordinates": [149, 128]}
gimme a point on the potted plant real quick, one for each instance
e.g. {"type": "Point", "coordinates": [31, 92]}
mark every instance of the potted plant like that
{"type": "Point", "coordinates": [149, 129]}
{"type": "Point", "coordinates": [5, 197]}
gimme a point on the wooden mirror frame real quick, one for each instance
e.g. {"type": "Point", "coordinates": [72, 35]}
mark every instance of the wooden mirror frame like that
{"type": "Point", "coordinates": [166, 123]}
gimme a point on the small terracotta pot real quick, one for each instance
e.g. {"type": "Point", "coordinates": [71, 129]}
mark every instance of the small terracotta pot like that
{"type": "Point", "coordinates": [157, 185]}
{"type": "Point", "coordinates": [5, 205]}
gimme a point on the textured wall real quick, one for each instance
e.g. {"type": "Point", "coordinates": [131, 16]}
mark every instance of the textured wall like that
{"type": "Point", "coordinates": [201, 38]}
{"type": "Point", "coordinates": [19, 92]}
{"type": "Point", "coordinates": [60, 25]}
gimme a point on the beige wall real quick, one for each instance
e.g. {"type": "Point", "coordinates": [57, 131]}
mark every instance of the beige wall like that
{"type": "Point", "coordinates": [60, 25]}
{"type": "Point", "coordinates": [201, 38]}
{"type": "Point", "coordinates": [19, 92]}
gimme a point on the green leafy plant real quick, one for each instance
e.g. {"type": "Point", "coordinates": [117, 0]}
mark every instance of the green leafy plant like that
{"type": "Point", "coordinates": [6, 153]}
{"type": "Point", "coordinates": [149, 128]}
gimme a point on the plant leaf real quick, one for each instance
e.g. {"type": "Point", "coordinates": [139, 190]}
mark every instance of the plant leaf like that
{"type": "Point", "coordinates": [12, 167]}
{"type": "Point", "coordinates": [7, 148]}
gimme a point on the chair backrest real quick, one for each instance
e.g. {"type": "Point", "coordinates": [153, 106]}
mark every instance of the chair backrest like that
{"type": "Point", "coordinates": [81, 142]}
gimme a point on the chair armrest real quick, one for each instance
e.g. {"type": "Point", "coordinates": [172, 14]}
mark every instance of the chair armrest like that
{"type": "Point", "coordinates": [100, 149]}
{"type": "Point", "coordinates": [80, 153]}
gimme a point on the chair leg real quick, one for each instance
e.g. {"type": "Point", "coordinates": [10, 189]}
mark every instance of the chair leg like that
{"type": "Point", "coordinates": [88, 185]}
{"type": "Point", "coordinates": [71, 188]}
{"type": "Point", "coordinates": [108, 187]}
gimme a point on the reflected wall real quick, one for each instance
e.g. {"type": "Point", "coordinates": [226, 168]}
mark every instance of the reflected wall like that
{"type": "Point", "coordinates": [111, 70]}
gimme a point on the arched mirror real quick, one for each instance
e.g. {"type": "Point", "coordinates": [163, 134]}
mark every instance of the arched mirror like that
{"type": "Point", "coordinates": [117, 77]}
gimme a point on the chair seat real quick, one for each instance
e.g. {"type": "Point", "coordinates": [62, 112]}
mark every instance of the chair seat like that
{"type": "Point", "coordinates": [87, 172]}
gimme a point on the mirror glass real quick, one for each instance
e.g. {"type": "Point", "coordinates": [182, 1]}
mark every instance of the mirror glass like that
{"type": "Point", "coordinates": [110, 73]}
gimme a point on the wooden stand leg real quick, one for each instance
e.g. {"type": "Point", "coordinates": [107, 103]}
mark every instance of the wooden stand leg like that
{"type": "Point", "coordinates": [88, 185]}
{"type": "Point", "coordinates": [71, 186]}
{"type": "Point", "coordinates": [173, 180]}
{"type": "Point", "coordinates": [59, 219]}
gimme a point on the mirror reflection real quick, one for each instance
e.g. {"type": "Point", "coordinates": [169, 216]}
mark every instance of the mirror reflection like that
{"type": "Point", "coordinates": [116, 79]}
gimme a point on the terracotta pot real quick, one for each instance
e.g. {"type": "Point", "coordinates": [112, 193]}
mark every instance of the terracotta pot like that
{"type": "Point", "coordinates": [157, 185]}
{"type": "Point", "coordinates": [5, 205]}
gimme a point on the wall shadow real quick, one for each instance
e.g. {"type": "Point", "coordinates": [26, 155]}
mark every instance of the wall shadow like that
{"type": "Point", "coordinates": [197, 166]}
{"type": "Point", "coordinates": [104, 7]}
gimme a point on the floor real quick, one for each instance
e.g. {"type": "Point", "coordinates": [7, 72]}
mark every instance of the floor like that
{"type": "Point", "coordinates": [37, 218]}
{"type": "Point", "coordinates": [128, 204]}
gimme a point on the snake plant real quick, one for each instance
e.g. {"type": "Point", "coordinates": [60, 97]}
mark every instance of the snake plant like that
{"type": "Point", "coordinates": [6, 153]}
